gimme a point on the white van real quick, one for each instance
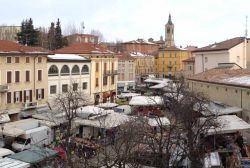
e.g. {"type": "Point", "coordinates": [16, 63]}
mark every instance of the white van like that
{"type": "Point", "coordinates": [39, 136]}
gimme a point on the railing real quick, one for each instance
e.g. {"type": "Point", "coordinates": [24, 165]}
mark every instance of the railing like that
{"type": "Point", "coordinates": [29, 105]}
{"type": "Point", "coordinates": [4, 88]}
{"type": "Point", "coordinates": [110, 72]}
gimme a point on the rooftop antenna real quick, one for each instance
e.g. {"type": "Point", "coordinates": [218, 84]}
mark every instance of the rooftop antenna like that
{"type": "Point", "coordinates": [83, 27]}
{"type": "Point", "coordinates": [246, 27]}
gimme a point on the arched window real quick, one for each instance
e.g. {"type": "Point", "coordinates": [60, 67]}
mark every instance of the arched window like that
{"type": "Point", "coordinates": [85, 69]}
{"type": "Point", "coordinates": [65, 70]}
{"type": "Point", "coordinates": [75, 70]}
{"type": "Point", "coordinates": [53, 70]}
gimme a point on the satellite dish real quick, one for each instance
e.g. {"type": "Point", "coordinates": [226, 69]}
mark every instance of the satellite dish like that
{"type": "Point", "coordinates": [83, 27]}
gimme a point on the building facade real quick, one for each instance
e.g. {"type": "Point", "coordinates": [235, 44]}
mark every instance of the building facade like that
{"type": "Point", "coordinates": [104, 65]}
{"type": "Point", "coordinates": [144, 66]}
{"type": "Point", "coordinates": [188, 67]}
{"type": "Point", "coordinates": [169, 61]}
{"type": "Point", "coordinates": [227, 85]}
{"type": "Point", "coordinates": [229, 51]}
{"type": "Point", "coordinates": [126, 73]}
{"type": "Point", "coordinates": [23, 78]}
{"type": "Point", "coordinates": [68, 71]}
{"type": "Point", "coordinates": [139, 45]}
{"type": "Point", "coordinates": [82, 38]}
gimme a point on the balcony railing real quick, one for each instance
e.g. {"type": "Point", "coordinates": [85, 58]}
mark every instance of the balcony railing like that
{"type": "Point", "coordinates": [4, 88]}
{"type": "Point", "coordinates": [111, 72]}
{"type": "Point", "coordinates": [29, 105]}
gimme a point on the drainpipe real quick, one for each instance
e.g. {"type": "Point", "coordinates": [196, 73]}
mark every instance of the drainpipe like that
{"type": "Point", "coordinates": [202, 62]}
{"type": "Point", "coordinates": [241, 101]}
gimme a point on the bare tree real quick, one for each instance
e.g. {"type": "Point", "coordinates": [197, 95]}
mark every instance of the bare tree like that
{"type": "Point", "coordinates": [99, 34]}
{"type": "Point", "coordinates": [67, 104]}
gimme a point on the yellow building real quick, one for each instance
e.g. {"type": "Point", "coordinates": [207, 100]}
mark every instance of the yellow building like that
{"type": "Point", "coordinates": [104, 65]}
{"type": "Point", "coordinates": [23, 79]}
{"type": "Point", "coordinates": [169, 61]}
{"type": "Point", "coordinates": [144, 65]}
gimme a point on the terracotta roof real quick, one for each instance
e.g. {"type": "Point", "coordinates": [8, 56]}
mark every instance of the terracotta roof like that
{"type": "Point", "coordinates": [172, 48]}
{"type": "Point", "coordinates": [192, 59]}
{"type": "Point", "coordinates": [226, 76]}
{"type": "Point", "coordinates": [125, 56]}
{"type": "Point", "coordinates": [224, 45]}
{"type": "Point", "coordinates": [83, 48]}
{"type": "Point", "coordinates": [16, 48]}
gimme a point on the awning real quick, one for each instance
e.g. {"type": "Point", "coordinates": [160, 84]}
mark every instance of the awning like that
{"type": "Point", "coordinates": [28, 113]}
{"type": "Point", "coordinates": [131, 84]}
{"type": "Point", "coordinates": [34, 155]}
{"type": "Point", "coordinates": [120, 84]}
{"type": "Point", "coordinates": [13, 163]}
{"type": "Point", "coordinates": [4, 118]}
{"type": "Point", "coordinates": [12, 131]}
{"type": "Point", "coordinates": [229, 124]}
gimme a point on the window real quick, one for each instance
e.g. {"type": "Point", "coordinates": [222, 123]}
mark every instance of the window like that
{"type": "Point", "coordinates": [175, 62]}
{"type": "Point", "coordinates": [96, 82]}
{"type": "Point", "coordinates": [170, 63]}
{"type": "Point", "coordinates": [27, 76]}
{"type": "Point", "coordinates": [236, 91]}
{"type": "Point", "coordinates": [52, 89]}
{"type": "Point", "coordinates": [9, 77]}
{"type": "Point", "coordinates": [27, 59]}
{"type": "Point", "coordinates": [75, 70]}
{"type": "Point", "coordinates": [84, 85]}
{"type": "Point", "coordinates": [226, 89]}
{"type": "Point", "coordinates": [39, 94]}
{"type": "Point", "coordinates": [28, 96]}
{"type": "Point", "coordinates": [105, 68]}
{"type": "Point", "coordinates": [190, 67]}
{"type": "Point", "coordinates": [170, 55]}
{"type": "Point", "coordinates": [53, 71]}
{"type": "Point", "coordinates": [75, 86]}
{"type": "Point", "coordinates": [206, 59]}
{"type": "Point", "coordinates": [97, 67]}
{"type": "Point", "coordinates": [105, 80]}
{"type": "Point", "coordinates": [39, 75]}
{"type": "Point", "coordinates": [17, 96]}
{"type": "Point", "coordinates": [112, 66]}
{"type": "Point", "coordinates": [39, 59]}
{"type": "Point", "coordinates": [17, 59]}
{"type": "Point", "coordinates": [8, 60]}
{"type": "Point", "coordinates": [175, 55]}
{"type": "Point", "coordinates": [65, 70]}
{"type": "Point", "coordinates": [85, 69]}
{"type": "Point", "coordinates": [17, 76]}
{"type": "Point", "coordinates": [113, 80]}
{"type": "Point", "coordinates": [207, 86]}
{"type": "Point", "coordinates": [8, 97]}
{"type": "Point", "coordinates": [64, 88]}
{"type": "Point", "coordinates": [247, 93]}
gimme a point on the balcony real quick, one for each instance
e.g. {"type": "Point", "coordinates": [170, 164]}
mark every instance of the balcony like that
{"type": "Point", "coordinates": [111, 72]}
{"type": "Point", "coordinates": [29, 105]}
{"type": "Point", "coordinates": [4, 88]}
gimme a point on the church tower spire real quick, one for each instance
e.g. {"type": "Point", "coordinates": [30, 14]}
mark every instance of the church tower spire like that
{"type": "Point", "coordinates": [169, 32]}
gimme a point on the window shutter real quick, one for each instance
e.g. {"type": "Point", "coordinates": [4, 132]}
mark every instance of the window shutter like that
{"type": "Point", "coordinates": [17, 76]}
{"type": "Point", "coordinates": [30, 95]}
{"type": "Point", "coordinates": [20, 96]}
{"type": "Point", "coordinates": [39, 75]}
{"type": "Point", "coordinates": [36, 94]}
{"type": "Point", "coordinates": [27, 76]}
{"type": "Point", "coordinates": [24, 97]}
{"type": "Point", "coordinates": [14, 97]}
{"type": "Point", "coordinates": [9, 77]}
{"type": "Point", "coordinates": [9, 97]}
{"type": "Point", "coordinates": [42, 93]}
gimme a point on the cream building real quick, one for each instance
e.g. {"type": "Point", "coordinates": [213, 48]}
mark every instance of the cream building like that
{"type": "Point", "coordinates": [23, 79]}
{"type": "Point", "coordinates": [104, 65]}
{"type": "Point", "coordinates": [228, 84]}
{"type": "Point", "coordinates": [126, 73]}
{"type": "Point", "coordinates": [144, 65]}
{"type": "Point", "coordinates": [68, 71]}
{"type": "Point", "coordinates": [229, 51]}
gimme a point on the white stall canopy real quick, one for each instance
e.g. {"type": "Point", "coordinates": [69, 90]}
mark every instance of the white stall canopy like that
{"type": "Point", "coordinates": [228, 124]}
{"type": "Point", "coordinates": [146, 101]}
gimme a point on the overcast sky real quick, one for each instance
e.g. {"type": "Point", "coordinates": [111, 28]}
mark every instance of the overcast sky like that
{"type": "Point", "coordinates": [197, 22]}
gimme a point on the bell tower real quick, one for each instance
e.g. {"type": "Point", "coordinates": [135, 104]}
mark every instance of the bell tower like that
{"type": "Point", "coordinates": [169, 32]}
